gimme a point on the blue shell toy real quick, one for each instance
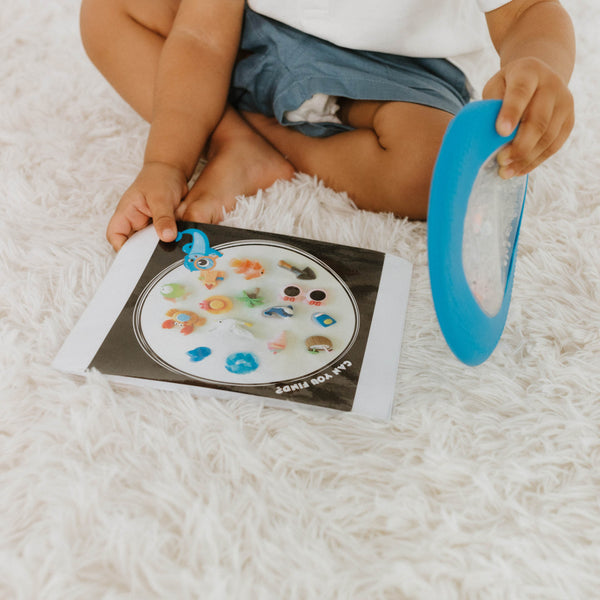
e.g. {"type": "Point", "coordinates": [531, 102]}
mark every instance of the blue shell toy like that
{"type": "Point", "coordinates": [473, 227]}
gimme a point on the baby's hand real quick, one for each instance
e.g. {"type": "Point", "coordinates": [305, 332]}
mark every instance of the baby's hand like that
{"type": "Point", "coordinates": [154, 195]}
{"type": "Point", "coordinates": [534, 95]}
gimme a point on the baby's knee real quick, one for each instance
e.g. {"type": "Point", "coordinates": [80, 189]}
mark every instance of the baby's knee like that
{"type": "Point", "coordinates": [411, 135]}
{"type": "Point", "coordinates": [94, 21]}
{"type": "Point", "coordinates": [101, 22]}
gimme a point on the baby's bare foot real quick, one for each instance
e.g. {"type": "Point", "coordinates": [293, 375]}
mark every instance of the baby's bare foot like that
{"type": "Point", "coordinates": [239, 163]}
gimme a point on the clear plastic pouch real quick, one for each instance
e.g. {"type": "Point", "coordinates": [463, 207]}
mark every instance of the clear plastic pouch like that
{"type": "Point", "coordinates": [489, 234]}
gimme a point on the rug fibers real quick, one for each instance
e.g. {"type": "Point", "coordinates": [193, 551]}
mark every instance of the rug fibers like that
{"type": "Point", "coordinates": [484, 484]}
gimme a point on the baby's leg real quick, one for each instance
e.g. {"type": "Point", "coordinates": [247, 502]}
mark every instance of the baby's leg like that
{"type": "Point", "coordinates": [124, 39]}
{"type": "Point", "coordinates": [239, 163]}
{"type": "Point", "coordinates": [385, 164]}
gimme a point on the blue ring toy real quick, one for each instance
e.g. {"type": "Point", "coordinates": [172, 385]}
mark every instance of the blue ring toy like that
{"type": "Point", "coordinates": [470, 140]}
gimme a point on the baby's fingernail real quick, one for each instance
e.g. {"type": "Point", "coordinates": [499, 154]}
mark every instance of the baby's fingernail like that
{"type": "Point", "coordinates": [507, 173]}
{"type": "Point", "coordinates": [169, 234]}
{"type": "Point", "coordinates": [505, 127]}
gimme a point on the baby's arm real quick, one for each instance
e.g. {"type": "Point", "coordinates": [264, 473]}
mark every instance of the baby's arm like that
{"type": "Point", "coordinates": [190, 96]}
{"type": "Point", "coordinates": [536, 44]}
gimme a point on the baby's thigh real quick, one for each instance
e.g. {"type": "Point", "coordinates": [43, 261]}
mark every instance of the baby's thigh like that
{"type": "Point", "coordinates": [410, 136]}
{"type": "Point", "coordinates": [397, 124]}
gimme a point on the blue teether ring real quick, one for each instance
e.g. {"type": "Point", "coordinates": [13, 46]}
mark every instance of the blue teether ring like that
{"type": "Point", "coordinates": [470, 140]}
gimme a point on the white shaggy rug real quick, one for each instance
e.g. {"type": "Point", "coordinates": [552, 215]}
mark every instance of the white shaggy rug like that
{"type": "Point", "coordinates": [485, 483]}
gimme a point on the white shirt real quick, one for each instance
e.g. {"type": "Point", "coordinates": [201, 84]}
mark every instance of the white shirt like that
{"type": "Point", "coordinates": [452, 29]}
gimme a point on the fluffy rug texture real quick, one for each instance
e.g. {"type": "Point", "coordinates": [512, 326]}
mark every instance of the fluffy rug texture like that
{"type": "Point", "coordinates": [484, 484]}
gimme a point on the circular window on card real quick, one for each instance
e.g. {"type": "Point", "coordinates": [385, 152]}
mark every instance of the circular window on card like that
{"type": "Point", "coordinates": [472, 233]}
{"type": "Point", "coordinates": [241, 321]}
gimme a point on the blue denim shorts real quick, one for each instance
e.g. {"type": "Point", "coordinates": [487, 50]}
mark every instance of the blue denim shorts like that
{"type": "Point", "coordinates": [282, 67]}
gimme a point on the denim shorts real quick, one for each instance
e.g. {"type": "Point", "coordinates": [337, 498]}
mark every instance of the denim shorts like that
{"type": "Point", "coordinates": [282, 67]}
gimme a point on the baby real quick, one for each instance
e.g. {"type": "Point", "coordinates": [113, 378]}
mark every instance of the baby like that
{"type": "Point", "coordinates": [357, 93]}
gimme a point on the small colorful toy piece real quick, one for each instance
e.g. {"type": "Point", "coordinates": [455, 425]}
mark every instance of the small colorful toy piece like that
{"type": "Point", "coordinates": [174, 292]}
{"type": "Point", "coordinates": [198, 354]}
{"type": "Point", "coordinates": [279, 311]}
{"type": "Point", "coordinates": [318, 343]}
{"type": "Point", "coordinates": [251, 299]}
{"type": "Point", "coordinates": [306, 273]}
{"type": "Point", "coordinates": [185, 320]}
{"type": "Point", "coordinates": [241, 363]}
{"type": "Point", "coordinates": [322, 319]}
{"type": "Point", "coordinates": [291, 293]}
{"type": "Point", "coordinates": [316, 297]}
{"type": "Point", "coordinates": [250, 269]}
{"type": "Point", "coordinates": [210, 278]}
{"type": "Point", "coordinates": [217, 305]}
{"type": "Point", "coordinates": [278, 343]}
{"type": "Point", "coordinates": [233, 326]}
{"type": "Point", "coordinates": [199, 253]}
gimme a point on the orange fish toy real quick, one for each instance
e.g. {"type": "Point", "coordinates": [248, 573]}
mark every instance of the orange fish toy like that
{"type": "Point", "coordinates": [250, 269]}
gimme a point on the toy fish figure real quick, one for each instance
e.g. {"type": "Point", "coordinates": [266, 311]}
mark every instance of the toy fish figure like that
{"type": "Point", "coordinates": [249, 268]}
{"type": "Point", "coordinates": [174, 292]}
